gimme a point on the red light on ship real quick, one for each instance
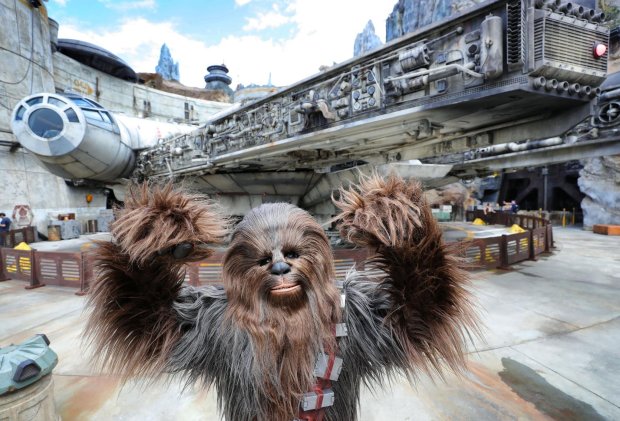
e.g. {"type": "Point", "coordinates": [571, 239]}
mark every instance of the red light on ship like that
{"type": "Point", "coordinates": [599, 50]}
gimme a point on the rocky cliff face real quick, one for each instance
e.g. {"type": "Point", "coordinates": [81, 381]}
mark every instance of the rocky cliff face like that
{"type": "Point", "coordinates": [409, 15]}
{"type": "Point", "coordinates": [366, 41]}
{"type": "Point", "coordinates": [167, 68]}
{"type": "Point", "coordinates": [455, 194]}
{"type": "Point", "coordinates": [599, 180]}
{"type": "Point", "coordinates": [155, 80]}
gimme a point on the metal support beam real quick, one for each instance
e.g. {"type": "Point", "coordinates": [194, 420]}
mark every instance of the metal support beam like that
{"type": "Point", "coordinates": [545, 156]}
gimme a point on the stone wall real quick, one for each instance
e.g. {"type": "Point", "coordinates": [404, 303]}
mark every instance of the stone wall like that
{"type": "Point", "coordinates": [26, 67]}
{"type": "Point", "coordinates": [125, 97]}
{"type": "Point", "coordinates": [599, 180]}
{"type": "Point", "coordinates": [409, 15]}
{"type": "Point", "coordinates": [25, 57]}
{"type": "Point", "coordinates": [24, 182]}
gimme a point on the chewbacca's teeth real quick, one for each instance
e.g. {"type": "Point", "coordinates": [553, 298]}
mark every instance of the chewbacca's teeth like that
{"type": "Point", "coordinates": [285, 288]}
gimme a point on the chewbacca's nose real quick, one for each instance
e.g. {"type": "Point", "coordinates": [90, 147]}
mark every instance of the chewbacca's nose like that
{"type": "Point", "coordinates": [280, 268]}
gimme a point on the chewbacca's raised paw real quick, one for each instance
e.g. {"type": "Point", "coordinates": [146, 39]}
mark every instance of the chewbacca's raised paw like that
{"type": "Point", "coordinates": [161, 222]}
{"type": "Point", "coordinates": [383, 212]}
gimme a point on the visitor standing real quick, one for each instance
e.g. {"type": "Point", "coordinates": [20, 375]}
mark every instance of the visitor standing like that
{"type": "Point", "coordinates": [514, 208]}
{"type": "Point", "coordinates": [5, 226]}
{"type": "Point", "coordinates": [511, 206]}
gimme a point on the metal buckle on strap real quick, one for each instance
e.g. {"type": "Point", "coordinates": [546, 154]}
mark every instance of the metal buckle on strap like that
{"type": "Point", "coordinates": [327, 366]}
{"type": "Point", "coordinates": [316, 400]}
{"type": "Point", "coordinates": [340, 329]}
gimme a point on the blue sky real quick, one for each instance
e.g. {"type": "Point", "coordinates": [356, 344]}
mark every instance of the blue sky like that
{"type": "Point", "coordinates": [289, 39]}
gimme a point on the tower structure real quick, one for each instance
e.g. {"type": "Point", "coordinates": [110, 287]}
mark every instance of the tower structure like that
{"type": "Point", "coordinates": [218, 80]}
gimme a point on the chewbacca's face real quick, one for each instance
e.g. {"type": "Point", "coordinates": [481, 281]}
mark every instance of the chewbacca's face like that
{"type": "Point", "coordinates": [279, 279]}
{"type": "Point", "coordinates": [278, 256]}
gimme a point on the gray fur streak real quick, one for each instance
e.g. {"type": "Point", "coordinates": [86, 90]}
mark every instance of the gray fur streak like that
{"type": "Point", "coordinates": [214, 352]}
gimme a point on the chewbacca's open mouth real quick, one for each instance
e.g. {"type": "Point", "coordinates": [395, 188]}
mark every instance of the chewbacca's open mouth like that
{"type": "Point", "coordinates": [285, 288]}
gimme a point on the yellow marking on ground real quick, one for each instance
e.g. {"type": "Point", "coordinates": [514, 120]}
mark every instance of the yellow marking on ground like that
{"type": "Point", "coordinates": [210, 264]}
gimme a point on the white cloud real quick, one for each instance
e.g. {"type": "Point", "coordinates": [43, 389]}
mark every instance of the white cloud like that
{"type": "Point", "coordinates": [242, 2]}
{"type": "Point", "coordinates": [325, 33]}
{"type": "Point", "coordinates": [272, 19]}
{"type": "Point", "coordinates": [61, 3]}
{"type": "Point", "coordinates": [124, 6]}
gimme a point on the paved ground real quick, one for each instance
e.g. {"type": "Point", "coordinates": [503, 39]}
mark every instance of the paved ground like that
{"type": "Point", "coordinates": [551, 350]}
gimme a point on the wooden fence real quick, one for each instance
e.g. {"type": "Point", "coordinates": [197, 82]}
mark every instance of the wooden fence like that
{"type": "Point", "coordinates": [14, 237]}
{"type": "Point", "coordinates": [40, 268]}
{"type": "Point", "coordinates": [75, 270]}
{"type": "Point", "coordinates": [508, 249]}
{"type": "Point", "coordinates": [507, 219]}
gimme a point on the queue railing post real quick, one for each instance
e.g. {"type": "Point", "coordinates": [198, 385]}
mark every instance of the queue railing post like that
{"type": "Point", "coordinates": [3, 277]}
{"type": "Point", "coordinates": [532, 249]}
{"type": "Point", "coordinates": [503, 253]}
{"type": "Point", "coordinates": [34, 278]}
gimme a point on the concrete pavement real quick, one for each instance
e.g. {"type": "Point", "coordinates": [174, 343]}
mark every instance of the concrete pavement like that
{"type": "Point", "coordinates": [551, 350]}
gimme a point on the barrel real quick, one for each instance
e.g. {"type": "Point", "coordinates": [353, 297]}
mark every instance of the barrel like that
{"type": "Point", "coordinates": [35, 402]}
{"type": "Point", "coordinates": [53, 232]}
{"type": "Point", "coordinates": [91, 225]}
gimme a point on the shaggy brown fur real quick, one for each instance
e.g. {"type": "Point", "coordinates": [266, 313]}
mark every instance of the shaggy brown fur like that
{"type": "Point", "coordinates": [133, 326]}
{"type": "Point", "coordinates": [257, 341]}
{"type": "Point", "coordinates": [425, 279]}
{"type": "Point", "coordinates": [287, 332]}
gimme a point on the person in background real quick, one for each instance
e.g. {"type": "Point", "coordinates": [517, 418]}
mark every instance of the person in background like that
{"type": "Point", "coordinates": [514, 208]}
{"type": "Point", "coordinates": [5, 226]}
{"type": "Point", "coordinates": [488, 208]}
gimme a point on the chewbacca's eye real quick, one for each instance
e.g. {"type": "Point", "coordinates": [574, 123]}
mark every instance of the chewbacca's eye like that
{"type": "Point", "coordinates": [291, 255]}
{"type": "Point", "coordinates": [265, 261]}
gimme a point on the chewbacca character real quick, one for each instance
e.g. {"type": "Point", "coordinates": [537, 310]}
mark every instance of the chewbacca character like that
{"type": "Point", "coordinates": [282, 340]}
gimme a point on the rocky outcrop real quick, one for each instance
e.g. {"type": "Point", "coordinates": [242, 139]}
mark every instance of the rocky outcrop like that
{"type": "Point", "coordinates": [455, 194]}
{"type": "Point", "coordinates": [409, 15]}
{"type": "Point", "coordinates": [167, 68]}
{"type": "Point", "coordinates": [155, 80]}
{"type": "Point", "coordinates": [366, 41]}
{"type": "Point", "coordinates": [599, 180]}
{"type": "Point", "coordinates": [253, 92]}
